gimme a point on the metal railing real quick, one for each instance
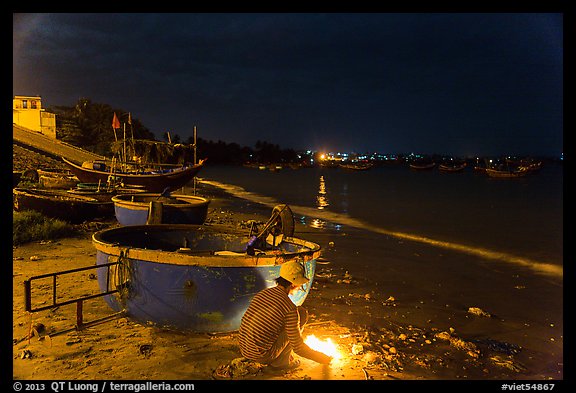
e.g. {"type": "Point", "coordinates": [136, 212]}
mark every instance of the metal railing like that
{"type": "Point", "coordinates": [80, 323]}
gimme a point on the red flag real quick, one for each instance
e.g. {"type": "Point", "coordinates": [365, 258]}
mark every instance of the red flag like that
{"type": "Point", "coordinates": [115, 122]}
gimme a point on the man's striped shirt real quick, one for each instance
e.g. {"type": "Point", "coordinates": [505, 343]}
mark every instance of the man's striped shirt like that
{"type": "Point", "coordinates": [271, 311]}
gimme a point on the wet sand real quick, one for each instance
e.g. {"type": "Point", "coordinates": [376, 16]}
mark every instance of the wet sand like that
{"type": "Point", "coordinates": [409, 324]}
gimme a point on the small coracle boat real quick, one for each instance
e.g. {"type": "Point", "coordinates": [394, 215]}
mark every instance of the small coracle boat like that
{"type": "Point", "coordinates": [192, 277]}
{"type": "Point", "coordinates": [163, 208]}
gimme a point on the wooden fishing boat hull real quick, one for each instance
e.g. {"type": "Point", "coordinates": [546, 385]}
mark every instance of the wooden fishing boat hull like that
{"type": "Point", "coordinates": [58, 182]}
{"type": "Point", "coordinates": [120, 189]}
{"type": "Point", "coordinates": [61, 205]}
{"type": "Point", "coordinates": [94, 172]}
{"type": "Point", "coordinates": [103, 194]}
{"type": "Point", "coordinates": [191, 277]}
{"type": "Point", "coordinates": [56, 178]}
{"type": "Point", "coordinates": [148, 208]}
{"type": "Point", "coordinates": [421, 167]}
{"type": "Point", "coordinates": [356, 167]}
{"type": "Point", "coordinates": [506, 174]}
{"type": "Point", "coordinates": [451, 168]}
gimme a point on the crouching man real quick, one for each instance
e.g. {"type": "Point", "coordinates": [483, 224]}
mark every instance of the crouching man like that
{"type": "Point", "coordinates": [271, 328]}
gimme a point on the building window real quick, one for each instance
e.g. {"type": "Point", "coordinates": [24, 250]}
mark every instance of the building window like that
{"type": "Point", "coordinates": [33, 104]}
{"type": "Point", "coordinates": [25, 104]}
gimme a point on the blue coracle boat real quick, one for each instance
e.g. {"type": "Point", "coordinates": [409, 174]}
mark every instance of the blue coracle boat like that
{"type": "Point", "coordinates": [156, 208]}
{"type": "Point", "coordinates": [192, 277]}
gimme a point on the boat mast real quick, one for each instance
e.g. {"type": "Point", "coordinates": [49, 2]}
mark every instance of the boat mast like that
{"type": "Point", "coordinates": [194, 145]}
{"type": "Point", "coordinates": [124, 145]}
{"type": "Point", "coordinates": [194, 158]}
{"type": "Point", "coordinates": [132, 144]}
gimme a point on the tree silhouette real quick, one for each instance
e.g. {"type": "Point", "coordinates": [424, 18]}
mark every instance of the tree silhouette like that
{"type": "Point", "coordinates": [89, 125]}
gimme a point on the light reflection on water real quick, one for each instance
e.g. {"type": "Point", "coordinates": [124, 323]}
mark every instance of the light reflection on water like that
{"type": "Point", "coordinates": [318, 223]}
{"type": "Point", "coordinates": [321, 198]}
{"type": "Point", "coordinates": [321, 203]}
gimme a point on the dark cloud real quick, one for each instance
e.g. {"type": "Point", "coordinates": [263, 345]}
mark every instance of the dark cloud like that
{"type": "Point", "coordinates": [454, 83]}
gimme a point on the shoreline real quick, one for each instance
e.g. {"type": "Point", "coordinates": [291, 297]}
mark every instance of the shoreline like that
{"type": "Point", "coordinates": [390, 330]}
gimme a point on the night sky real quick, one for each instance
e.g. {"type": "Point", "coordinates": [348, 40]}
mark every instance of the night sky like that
{"type": "Point", "coordinates": [461, 84]}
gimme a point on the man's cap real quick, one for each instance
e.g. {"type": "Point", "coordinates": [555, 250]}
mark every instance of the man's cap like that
{"type": "Point", "coordinates": [294, 272]}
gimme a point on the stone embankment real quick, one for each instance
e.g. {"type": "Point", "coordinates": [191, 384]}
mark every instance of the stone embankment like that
{"type": "Point", "coordinates": [44, 149]}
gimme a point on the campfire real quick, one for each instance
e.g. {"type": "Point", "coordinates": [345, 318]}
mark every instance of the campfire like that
{"type": "Point", "coordinates": [326, 346]}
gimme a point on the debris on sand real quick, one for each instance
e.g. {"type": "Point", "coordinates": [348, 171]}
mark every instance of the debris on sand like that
{"type": "Point", "coordinates": [479, 312]}
{"type": "Point", "coordinates": [237, 368]}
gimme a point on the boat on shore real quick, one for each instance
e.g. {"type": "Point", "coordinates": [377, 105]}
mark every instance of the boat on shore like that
{"type": "Point", "coordinates": [103, 195]}
{"type": "Point", "coordinates": [103, 192]}
{"type": "Point", "coordinates": [48, 178]}
{"type": "Point", "coordinates": [61, 205]}
{"type": "Point", "coordinates": [57, 180]}
{"type": "Point", "coordinates": [192, 277]}
{"type": "Point", "coordinates": [152, 180]}
{"type": "Point", "coordinates": [156, 208]}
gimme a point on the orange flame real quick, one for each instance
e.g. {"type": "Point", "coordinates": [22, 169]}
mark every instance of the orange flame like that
{"type": "Point", "coordinates": [325, 346]}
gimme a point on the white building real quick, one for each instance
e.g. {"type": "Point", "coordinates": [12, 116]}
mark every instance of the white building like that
{"type": "Point", "coordinates": [27, 112]}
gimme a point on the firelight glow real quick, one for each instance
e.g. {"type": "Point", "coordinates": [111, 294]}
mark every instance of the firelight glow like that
{"type": "Point", "coordinates": [325, 346]}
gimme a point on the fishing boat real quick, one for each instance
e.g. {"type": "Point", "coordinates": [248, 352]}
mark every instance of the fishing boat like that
{"type": "Point", "coordinates": [503, 173]}
{"type": "Point", "coordinates": [61, 205]}
{"type": "Point", "coordinates": [451, 167]}
{"type": "Point", "coordinates": [56, 180]}
{"type": "Point", "coordinates": [103, 192]}
{"type": "Point", "coordinates": [159, 208]}
{"type": "Point", "coordinates": [51, 178]}
{"type": "Point", "coordinates": [153, 180]}
{"type": "Point", "coordinates": [356, 166]}
{"type": "Point", "coordinates": [127, 189]}
{"type": "Point", "coordinates": [103, 195]}
{"type": "Point", "coordinates": [530, 165]}
{"type": "Point", "coordinates": [422, 165]}
{"type": "Point", "coordinates": [192, 277]}
{"type": "Point", "coordinates": [54, 172]}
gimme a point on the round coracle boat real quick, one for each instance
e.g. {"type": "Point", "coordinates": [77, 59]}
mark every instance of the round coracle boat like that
{"type": "Point", "coordinates": [155, 208]}
{"type": "Point", "coordinates": [192, 277]}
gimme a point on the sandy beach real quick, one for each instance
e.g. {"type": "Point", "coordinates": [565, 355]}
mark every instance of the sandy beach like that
{"type": "Point", "coordinates": [396, 330]}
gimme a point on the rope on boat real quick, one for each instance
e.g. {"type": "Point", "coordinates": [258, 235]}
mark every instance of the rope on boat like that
{"type": "Point", "coordinates": [122, 276]}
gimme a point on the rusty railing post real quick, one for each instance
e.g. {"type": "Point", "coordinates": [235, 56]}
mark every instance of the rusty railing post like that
{"type": "Point", "coordinates": [79, 316]}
